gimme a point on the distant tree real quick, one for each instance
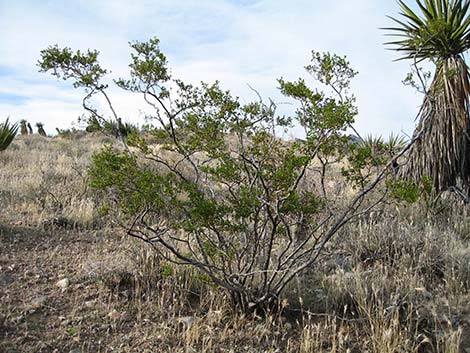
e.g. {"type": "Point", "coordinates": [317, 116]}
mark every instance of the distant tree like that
{"type": "Point", "coordinates": [7, 134]}
{"type": "Point", "coordinates": [439, 33]}
{"type": "Point", "coordinates": [85, 72]}
{"type": "Point", "coordinates": [30, 129]}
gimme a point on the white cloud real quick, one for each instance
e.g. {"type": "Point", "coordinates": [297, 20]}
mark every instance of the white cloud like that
{"type": "Point", "coordinates": [236, 42]}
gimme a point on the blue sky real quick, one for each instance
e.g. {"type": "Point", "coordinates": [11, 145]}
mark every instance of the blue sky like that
{"type": "Point", "coordinates": [238, 42]}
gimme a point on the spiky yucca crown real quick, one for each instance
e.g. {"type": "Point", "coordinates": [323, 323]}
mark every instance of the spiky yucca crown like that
{"type": "Point", "coordinates": [441, 32]}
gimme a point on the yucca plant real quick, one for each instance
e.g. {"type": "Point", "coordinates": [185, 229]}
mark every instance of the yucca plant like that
{"type": "Point", "coordinates": [23, 127]}
{"type": "Point", "coordinates": [395, 143]}
{"type": "Point", "coordinates": [439, 32]}
{"type": "Point", "coordinates": [41, 130]}
{"type": "Point", "coordinates": [7, 134]}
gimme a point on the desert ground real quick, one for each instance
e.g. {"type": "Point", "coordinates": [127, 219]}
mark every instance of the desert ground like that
{"type": "Point", "coordinates": [72, 281]}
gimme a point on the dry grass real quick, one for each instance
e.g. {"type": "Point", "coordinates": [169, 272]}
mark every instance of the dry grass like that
{"type": "Point", "coordinates": [397, 281]}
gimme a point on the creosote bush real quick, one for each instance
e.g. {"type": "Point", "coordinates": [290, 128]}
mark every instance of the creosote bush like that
{"type": "Point", "coordinates": [222, 192]}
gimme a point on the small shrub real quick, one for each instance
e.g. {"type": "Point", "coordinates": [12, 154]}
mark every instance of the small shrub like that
{"type": "Point", "coordinates": [71, 134]}
{"type": "Point", "coordinates": [114, 127]}
{"type": "Point", "coordinates": [369, 155]}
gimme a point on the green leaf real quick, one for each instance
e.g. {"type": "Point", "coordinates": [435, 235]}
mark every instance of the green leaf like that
{"type": "Point", "coordinates": [7, 133]}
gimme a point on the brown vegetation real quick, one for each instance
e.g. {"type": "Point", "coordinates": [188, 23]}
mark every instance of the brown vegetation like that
{"type": "Point", "coordinates": [397, 280]}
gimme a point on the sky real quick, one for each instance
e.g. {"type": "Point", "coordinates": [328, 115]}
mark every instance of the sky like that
{"type": "Point", "coordinates": [241, 43]}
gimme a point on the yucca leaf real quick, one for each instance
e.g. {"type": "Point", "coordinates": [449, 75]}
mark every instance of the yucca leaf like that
{"type": "Point", "coordinates": [7, 134]}
{"type": "Point", "coordinates": [441, 30]}
{"type": "Point", "coordinates": [426, 12]}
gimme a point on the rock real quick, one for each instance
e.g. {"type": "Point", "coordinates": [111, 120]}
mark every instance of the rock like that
{"type": "Point", "coordinates": [90, 303]}
{"type": "Point", "coordinates": [187, 321]}
{"type": "Point", "coordinates": [63, 284]}
{"type": "Point", "coordinates": [38, 302]}
{"type": "Point", "coordinates": [6, 279]}
{"type": "Point", "coordinates": [114, 315]}
{"type": "Point", "coordinates": [64, 321]}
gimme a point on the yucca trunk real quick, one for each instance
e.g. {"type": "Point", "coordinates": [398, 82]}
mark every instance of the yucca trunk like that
{"type": "Point", "coordinates": [442, 151]}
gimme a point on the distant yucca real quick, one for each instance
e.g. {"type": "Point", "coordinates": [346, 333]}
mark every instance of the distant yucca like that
{"type": "Point", "coordinates": [41, 130]}
{"type": "Point", "coordinates": [7, 134]}
{"type": "Point", "coordinates": [377, 144]}
{"type": "Point", "coordinates": [23, 127]}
